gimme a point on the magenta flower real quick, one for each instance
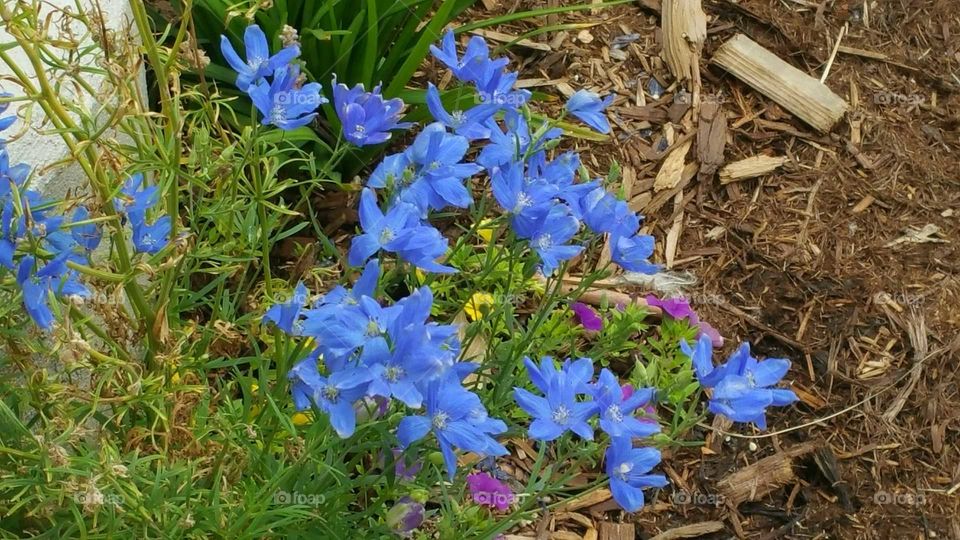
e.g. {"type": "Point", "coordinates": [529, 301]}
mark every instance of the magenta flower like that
{"type": "Point", "coordinates": [587, 316]}
{"type": "Point", "coordinates": [402, 470]}
{"type": "Point", "coordinates": [488, 491]}
{"type": "Point", "coordinates": [679, 308]}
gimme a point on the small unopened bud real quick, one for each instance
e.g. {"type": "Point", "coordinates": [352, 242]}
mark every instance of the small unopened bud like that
{"type": "Point", "coordinates": [405, 516]}
{"type": "Point", "coordinates": [289, 36]}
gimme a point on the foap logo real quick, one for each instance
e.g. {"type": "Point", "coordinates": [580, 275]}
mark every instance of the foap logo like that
{"type": "Point", "coordinates": [697, 498]}
{"type": "Point", "coordinates": [896, 98]}
{"type": "Point", "coordinates": [900, 499]}
{"type": "Point", "coordinates": [97, 498]}
{"type": "Point", "coordinates": [903, 299]}
{"type": "Point", "coordinates": [511, 99]}
{"type": "Point", "coordinates": [493, 498]}
{"type": "Point", "coordinates": [298, 98]}
{"type": "Point", "coordinates": [284, 498]}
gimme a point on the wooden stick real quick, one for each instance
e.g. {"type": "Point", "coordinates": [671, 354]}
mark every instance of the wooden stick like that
{"type": "Point", "coordinates": [793, 89]}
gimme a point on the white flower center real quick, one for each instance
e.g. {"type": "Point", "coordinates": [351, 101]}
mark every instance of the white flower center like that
{"type": "Point", "coordinates": [561, 416]}
{"type": "Point", "coordinates": [523, 201]}
{"type": "Point", "coordinates": [623, 470]}
{"type": "Point", "coordinates": [544, 241]}
{"type": "Point", "coordinates": [440, 420]}
{"type": "Point", "coordinates": [614, 413]}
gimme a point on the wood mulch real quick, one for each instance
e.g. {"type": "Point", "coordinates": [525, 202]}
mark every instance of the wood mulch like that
{"type": "Point", "coordinates": [837, 249]}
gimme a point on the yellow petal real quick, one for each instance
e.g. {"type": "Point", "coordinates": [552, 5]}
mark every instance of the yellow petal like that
{"type": "Point", "coordinates": [486, 230]}
{"type": "Point", "coordinates": [475, 303]}
{"type": "Point", "coordinates": [301, 419]}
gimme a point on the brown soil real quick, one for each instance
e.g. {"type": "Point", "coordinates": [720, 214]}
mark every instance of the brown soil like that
{"type": "Point", "coordinates": [801, 261]}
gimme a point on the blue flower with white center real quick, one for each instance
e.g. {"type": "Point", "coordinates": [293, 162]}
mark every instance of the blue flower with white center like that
{"type": "Point", "coordinates": [742, 386]}
{"type": "Point", "coordinates": [366, 117]}
{"type": "Point", "coordinates": [550, 238]}
{"type": "Point", "coordinates": [282, 103]}
{"type": "Point", "coordinates": [616, 413]}
{"type": "Point", "coordinates": [559, 410]}
{"type": "Point", "coordinates": [527, 201]}
{"type": "Point", "coordinates": [437, 157]}
{"type": "Point", "coordinates": [398, 231]}
{"type": "Point", "coordinates": [259, 63]}
{"type": "Point", "coordinates": [627, 468]}
{"type": "Point", "coordinates": [151, 238]}
{"type": "Point", "coordinates": [471, 123]}
{"type": "Point", "coordinates": [451, 414]}
{"type": "Point", "coordinates": [36, 285]}
{"type": "Point", "coordinates": [588, 107]}
{"type": "Point", "coordinates": [334, 395]}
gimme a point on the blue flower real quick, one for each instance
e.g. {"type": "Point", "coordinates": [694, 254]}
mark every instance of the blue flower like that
{"type": "Point", "coordinates": [742, 386]}
{"type": "Point", "coordinates": [37, 284]}
{"type": "Point", "coordinates": [366, 117]}
{"type": "Point", "coordinates": [15, 175]}
{"type": "Point", "coordinates": [475, 61]}
{"type": "Point", "coordinates": [550, 238]}
{"type": "Point", "coordinates": [471, 123]}
{"type": "Point", "coordinates": [259, 63]}
{"type": "Point", "coordinates": [559, 411]}
{"type": "Point", "coordinates": [496, 87]}
{"type": "Point", "coordinates": [394, 172]}
{"type": "Point", "coordinates": [7, 121]}
{"type": "Point", "coordinates": [603, 213]}
{"type": "Point", "coordinates": [616, 413]}
{"type": "Point", "coordinates": [578, 372]}
{"type": "Point", "coordinates": [86, 235]}
{"type": "Point", "coordinates": [437, 157]}
{"type": "Point", "coordinates": [334, 395]}
{"type": "Point", "coordinates": [282, 103]}
{"type": "Point", "coordinates": [151, 238]}
{"type": "Point", "coordinates": [286, 315]}
{"type": "Point", "coordinates": [588, 107]}
{"type": "Point", "coordinates": [397, 231]}
{"type": "Point", "coordinates": [632, 253]}
{"type": "Point", "coordinates": [514, 141]}
{"type": "Point", "coordinates": [527, 201]}
{"type": "Point", "coordinates": [452, 414]}
{"type": "Point", "coordinates": [628, 467]}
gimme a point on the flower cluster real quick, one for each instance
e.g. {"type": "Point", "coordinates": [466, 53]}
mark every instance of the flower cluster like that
{"type": "Point", "coordinates": [273, 82]}
{"type": "Point", "coordinates": [366, 350]}
{"type": "Point", "coordinates": [545, 204]}
{"type": "Point", "coordinates": [38, 243]}
{"type": "Point", "coordinates": [136, 200]}
{"type": "Point", "coordinates": [569, 403]}
{"type": "Point", "coordinates": [743, 386]}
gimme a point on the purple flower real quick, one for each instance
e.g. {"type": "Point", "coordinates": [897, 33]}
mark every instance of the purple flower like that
{"type": "Point", "coordinates": [679, 308]}
{"type": "Point", "coordinates": [402, 470]}
{"type": "Point", "coordinates": [587, 316]}
{"type": "Point", "coordinates": [488, 491]}
{"type": "Point", "coordinates": [405, 516]}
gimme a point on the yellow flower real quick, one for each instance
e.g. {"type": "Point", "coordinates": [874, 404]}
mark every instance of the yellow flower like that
{"type": "Point", "coordinates": [486, 230]}
{"type": "Point", "coordinates": [474, 305]}
{"type": "Point", "coordinates": [301, 419]}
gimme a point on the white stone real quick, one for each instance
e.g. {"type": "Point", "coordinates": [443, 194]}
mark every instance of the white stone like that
{"type": "Point", "coordinates": [46, 152]}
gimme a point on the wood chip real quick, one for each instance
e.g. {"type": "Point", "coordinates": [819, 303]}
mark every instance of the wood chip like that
{"type": "Point", "coordinates": [711, 138]}
{"type": "Point", "coordinates": [750, 167]}
{"type": "Point", "coordinates": [684, 32]}
{"type": "Point", "coordinates": [803, 95]}
{"type": "Point", "coordinates": [507, 38]}
{"type": "Point", "coordinates": [763, 477]}
{"type": "Point", "coordinates": [693, 530]}
{"type": "Point", "coordinates": [585, 500]}
{"type": "Point", "coordinates": [617, 531]}
{"type": "Point", "coordinates": [672, 170]}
